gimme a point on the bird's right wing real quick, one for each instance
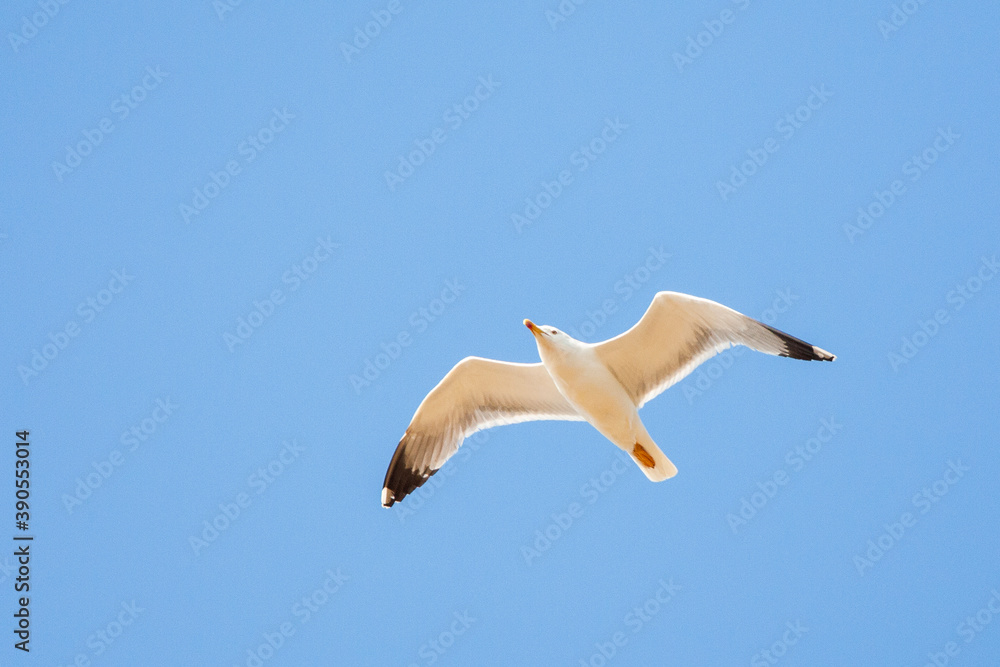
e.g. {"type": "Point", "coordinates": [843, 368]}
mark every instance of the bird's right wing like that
{"type": "Point", "coordinates": [678, 333]}
{"type": "Point", "coordinates": [475, 395]}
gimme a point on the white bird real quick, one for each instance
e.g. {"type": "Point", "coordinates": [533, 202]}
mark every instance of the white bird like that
{"type": "Point", "coordinates": [603, 383]}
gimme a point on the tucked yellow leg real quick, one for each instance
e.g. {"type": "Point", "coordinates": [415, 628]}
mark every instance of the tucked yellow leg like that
{"type": "Point", "coordinates": [640, 453]}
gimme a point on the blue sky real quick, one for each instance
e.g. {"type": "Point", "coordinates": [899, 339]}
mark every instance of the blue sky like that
{"type": "Point", "coordinates": [217, 219]}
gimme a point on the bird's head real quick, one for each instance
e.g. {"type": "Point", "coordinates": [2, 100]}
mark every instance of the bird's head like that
{"type": "Point", "coordinates": [549, 339]}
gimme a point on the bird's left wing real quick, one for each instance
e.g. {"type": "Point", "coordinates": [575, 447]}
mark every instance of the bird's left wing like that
{"type": "Point", "coordinates": [679, 332]}
{"type": "Point", "coordinates": [475, 395]}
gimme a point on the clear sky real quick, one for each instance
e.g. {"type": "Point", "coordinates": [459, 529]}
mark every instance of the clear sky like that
{"type": "Point", "coordinates": [241, 242]}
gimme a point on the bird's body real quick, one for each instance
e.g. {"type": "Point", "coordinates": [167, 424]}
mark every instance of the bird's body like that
{"type": "Point", "coordinates": [603, 383]}
{"type": "Point", "coordinates": [591, 388]}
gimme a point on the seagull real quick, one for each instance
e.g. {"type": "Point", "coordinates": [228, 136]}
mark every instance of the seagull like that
{"type": "Point", "coordinates": [602, 383]}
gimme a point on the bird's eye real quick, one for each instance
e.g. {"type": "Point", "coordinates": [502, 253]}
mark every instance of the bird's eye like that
{"type": "Point", "coordinates": [553, 332]}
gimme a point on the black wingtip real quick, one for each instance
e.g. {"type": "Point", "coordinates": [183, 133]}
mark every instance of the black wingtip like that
{"type": "Point", "coordinates": [796, 348]}
{"type": "Point", "coordinates": [401, 481]}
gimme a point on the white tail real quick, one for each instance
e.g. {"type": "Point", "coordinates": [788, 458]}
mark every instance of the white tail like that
{"type": "Point", "coordinates": [651, 460]}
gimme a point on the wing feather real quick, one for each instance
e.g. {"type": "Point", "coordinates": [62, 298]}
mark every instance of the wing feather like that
{"type": "Point", "coordinates": [476, 394]}
{"type": "Point", "coordinates": [678, 333]}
